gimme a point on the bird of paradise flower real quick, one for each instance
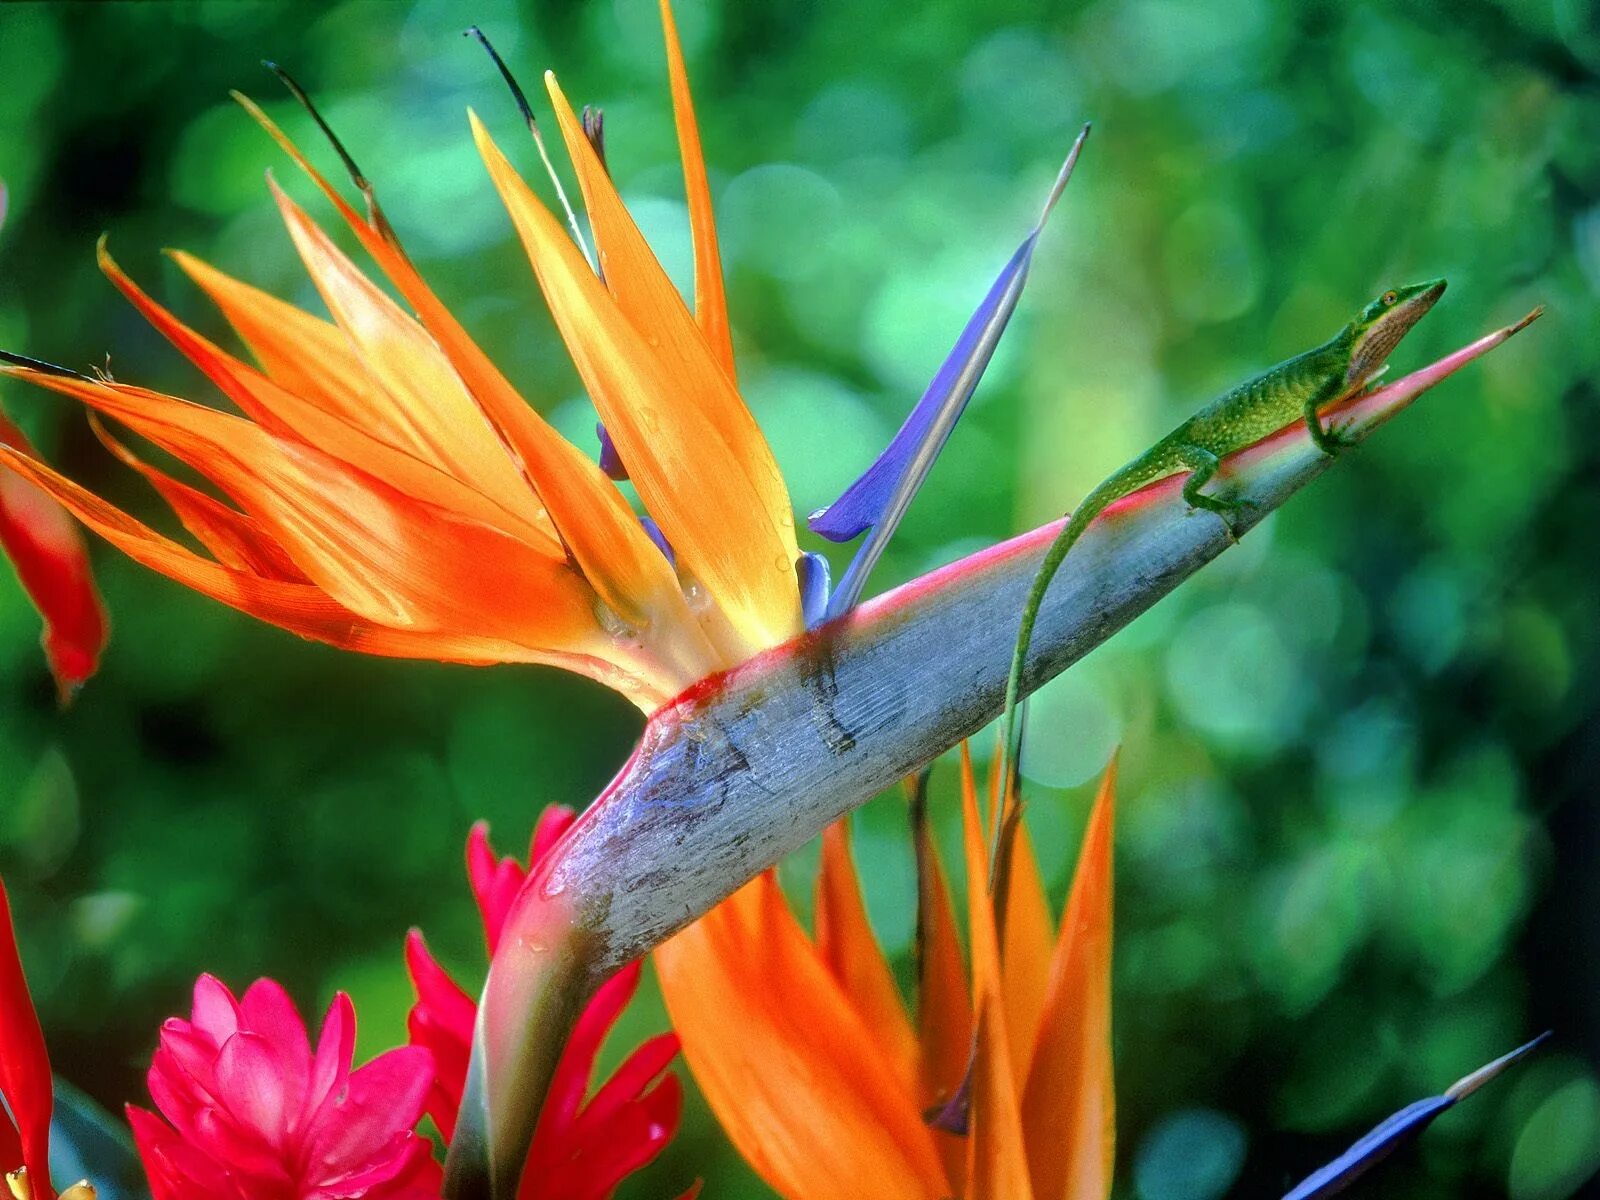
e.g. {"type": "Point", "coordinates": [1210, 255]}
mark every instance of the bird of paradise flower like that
{"type": "Point", "coordinates": [397, 496]}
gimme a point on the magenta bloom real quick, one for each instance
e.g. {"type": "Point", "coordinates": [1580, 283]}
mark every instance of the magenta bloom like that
{"type": "Point", "coordinates": [253, 1113]}
{"type": "Point", "coordinates": [585, 1145]}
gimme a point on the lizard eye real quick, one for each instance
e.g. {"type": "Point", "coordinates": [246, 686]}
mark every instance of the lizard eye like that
{"type": "Point", "coordinates": [1389, 298]}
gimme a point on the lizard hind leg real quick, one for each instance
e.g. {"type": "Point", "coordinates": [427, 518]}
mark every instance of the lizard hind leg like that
{"type": "Point", "coordinates": [1202, 465]}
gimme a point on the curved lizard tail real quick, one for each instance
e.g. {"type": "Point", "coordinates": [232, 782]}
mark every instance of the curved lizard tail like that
{"type": "Point", "coordinates": [1011, 732]}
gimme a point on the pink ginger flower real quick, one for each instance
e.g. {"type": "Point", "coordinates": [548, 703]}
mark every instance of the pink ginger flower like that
{"type": "Point", "coordinates": [252, 1112]}
{"type": "Point", "coordinates": [583, 1148]}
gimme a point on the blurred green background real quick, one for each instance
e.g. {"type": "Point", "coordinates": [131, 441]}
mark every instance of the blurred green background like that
{"type": "Point", "coordinates": [1357, 842]}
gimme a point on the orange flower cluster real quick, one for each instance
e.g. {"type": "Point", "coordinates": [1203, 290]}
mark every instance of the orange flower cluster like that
{"type": "Point", "coordinates": [801, 1043]}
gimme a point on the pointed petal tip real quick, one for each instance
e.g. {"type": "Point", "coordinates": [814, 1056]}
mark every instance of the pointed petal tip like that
{"type": "Point", "coordinates": [1538, 311]}
{"type": "Point", "coordinates": [1467, 1084]}
{"type": "Point", "coordinates": [1063, 176]}
{"type": "Point", "coordinates": [1404, 1126]}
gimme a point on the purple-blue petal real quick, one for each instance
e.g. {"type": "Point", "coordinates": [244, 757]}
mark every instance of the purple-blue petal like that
{"type": "Point", "coordinates": [816, 581]}
{"type": "Point", "coordinates": [879, 498]}
{"type": "Point", "coordinates": [863, 503]}
{"type": "Point", "coordinates": [660, 539]}
{"type": "Point", "coordinates": [1371, 1150]}
{"type": "Point", "coordinates": [1404, 1126]}
{"type": "Point", "coordinates": [610, 460]}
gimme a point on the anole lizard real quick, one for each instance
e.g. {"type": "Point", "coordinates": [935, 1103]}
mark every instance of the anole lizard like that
{"type": "Point", "coordinates": [1350, 360]}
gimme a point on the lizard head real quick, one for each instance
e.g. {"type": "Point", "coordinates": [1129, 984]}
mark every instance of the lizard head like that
{"type": "Point", "coordinates": [1379, 326]}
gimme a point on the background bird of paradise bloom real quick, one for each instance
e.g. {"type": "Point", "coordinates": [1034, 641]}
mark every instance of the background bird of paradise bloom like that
{"type": "Point", "coordinates": [1258, 913]}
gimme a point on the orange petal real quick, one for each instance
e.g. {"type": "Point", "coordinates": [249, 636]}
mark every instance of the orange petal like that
{"type": "Point", "coordinates": [417, 393]}
{"type": "Point", "coordinates": [710, 299]}
{"type": "Point", "coordinates": [1069, 1105]}
{"type": "Point", "coordinates": [1029, 933]}
{"type": "Point", "coordinates": [51, 562]}
{"type": "Point", "coordinates": [997, 1162]}
{"type": "Point", "coordinates": [233, 538]}
{"type": "Point", "coordinates": [391, 558]}
{"type": "Point", "coordinates": [282, 412]}
{"type": "Point", "coordinates": [595, 522]}
{"type": "Point", "coordinates": [847, 945]}
{"type": "Point", "coordinates": [944, 1005]}
{"type": "Point", "coordinates": [798, 1080]}
{"type": "Point", "coordinates": [672, 412]}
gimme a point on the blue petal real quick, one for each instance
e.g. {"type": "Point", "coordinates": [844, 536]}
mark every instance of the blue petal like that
{"type": "Point", "coordinates": [610, 460]}
{"type": "Point", "coordinates": [863, 504]}
{"type": "Point", "coordinates": [816, 581]}
{"type": "Point", "coordinates": [880, 497]}
{"type": "Point", "coordinates": [1371, 1150]}
{"type": "Point", "coordinates": [1399, 1129]}
{"type": "Point", "coordinates": [660, 539]}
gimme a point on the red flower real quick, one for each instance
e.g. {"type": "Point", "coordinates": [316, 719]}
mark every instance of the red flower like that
{"type": "Point", "coordinates": [24, 1065]}
{"type": "Point", "coordinates": [253, 1113]}
{"type": "Point", "coordinates": [24, 1080]}
{"type": "Point", "coordinates": [582, 1149]}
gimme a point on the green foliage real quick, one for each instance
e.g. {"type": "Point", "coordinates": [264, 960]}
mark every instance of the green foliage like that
{"type": "Point", "coordinates": [1356, 844]}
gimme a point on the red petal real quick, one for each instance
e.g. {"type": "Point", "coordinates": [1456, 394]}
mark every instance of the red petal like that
{"type": "Point", "coordinates": [627, 1084]}
{"type": "Point", "coordinates": [48, 552]}
{"type": "Point", "coordinates": [441, 1020]}
{"type": "Point", "coordinates": [336, 1047]}
{"type": "Point", "coordinates": [24, 1062]}
{"type": "Point", "coordinates": [571, 1081]}
{"type": "Point", "coordinates": [495, 883]}
{"type": "Point", "coordinates": [597, 1166]}
{"type": "Point", "coordinates": [553, 822]}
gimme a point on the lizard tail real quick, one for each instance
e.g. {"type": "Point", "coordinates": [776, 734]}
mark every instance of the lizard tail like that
{"type": "Point", "coordinates": [1011, 730]}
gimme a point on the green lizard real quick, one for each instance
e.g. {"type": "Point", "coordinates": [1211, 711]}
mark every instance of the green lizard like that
{"type": "Point", "coordinates": [1350, 360]}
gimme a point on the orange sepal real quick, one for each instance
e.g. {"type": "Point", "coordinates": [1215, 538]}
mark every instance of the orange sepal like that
{"type": "Point", "coordinates": [997, 1161]}
{"type": "Point", "coordinates": [944, 1002]}
{"type": "Point", "coordinates": [1025, 961]}
{"type": "Point", "coordinates": [393, 559]}
{"type": "Point", "coordinates": [710, 297]}
{"type": "Point", "coordinates": [233, 538]}
{"type": "Point", "coordinates": [282, 412]}
{"type": "Point", "coordinates": [416, 392]}
{"type": "Point", "coordinates": [701, 464]}
{"type": "Point", "coordinates": [848, 946]}
{"type": "Point", "coordinates": [52, 563]}
{"type": "Point", "coordinates": [1069, 1105]}
{"type": "Point", "coordinates": [299, 352]}
{"type": "Point", "coordinates": [798, 1081]}
{"type": "Point", "coordinates": [301, 608]}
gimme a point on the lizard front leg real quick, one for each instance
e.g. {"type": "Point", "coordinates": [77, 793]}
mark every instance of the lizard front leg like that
{"type": "Point", "coordinates": [1329, 439]}
{"type": "Point", "coordinates": [1203, 464]}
